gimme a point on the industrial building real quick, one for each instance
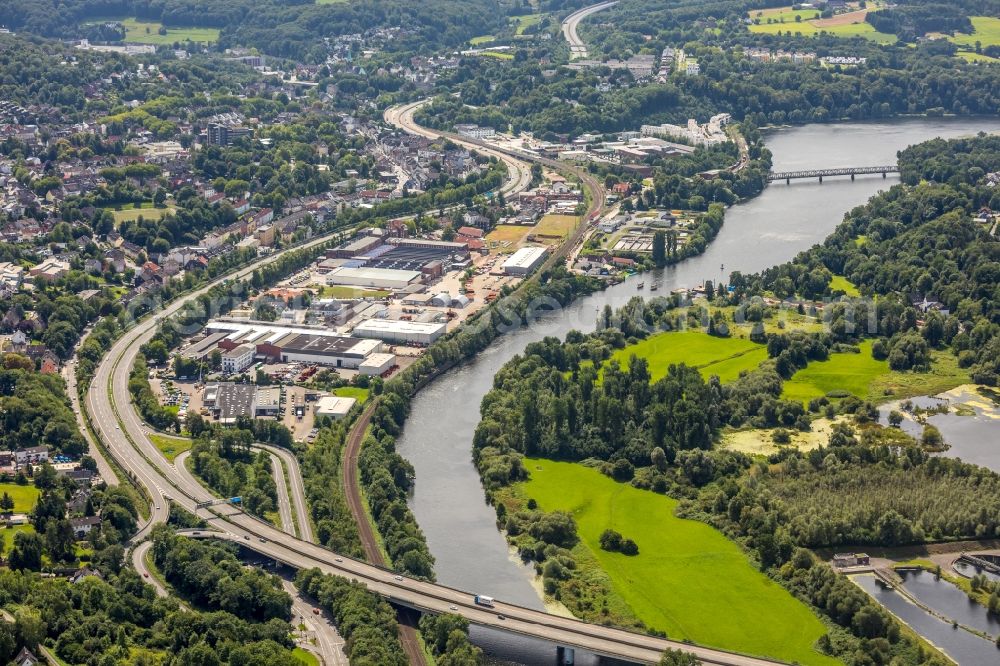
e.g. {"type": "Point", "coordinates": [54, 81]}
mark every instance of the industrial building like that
{"type": "Point", "coordinates": [401, 332]}
{"type": "Point", "coordinates": [339, 352]}
{"type": "Point", "coordinates": [377, 278]}
{"type": "Point", "coordinates": [267, 402]}
{"type": "Point", "coordinates": [238, 359]}
{"type": "Point", "coordinates": [228, 401]}
{"type": "Point", "coordinates": [377, 364]}
{"type": "Point", "coordinates": [334, 407]}
{"type": "Point", "coordinates": [525, 260]}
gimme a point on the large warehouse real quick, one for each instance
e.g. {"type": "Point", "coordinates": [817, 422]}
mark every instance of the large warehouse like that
{"type": "Point", "coordinates": [293, 343]}
{"type": "Point", "coordinates": [525, 260]}
{"type": "Point", "coordinates": [400, 332]}
{"type": "Point", "coordinates": [378, 278]}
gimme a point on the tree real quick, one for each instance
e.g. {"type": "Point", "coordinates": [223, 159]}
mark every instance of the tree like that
{"type": "Point", "coordinates": [27, 552]}
{"type": "Point", "coordinates": [672, 657]}
{"type": "Point", "coordinates": [611, 540]}
{"type": "Point", "coordinates": [6, 503]}
{"type": "Point", "coordinates": [895, 418]}
{"type": "Point", "coordinates": [931, 437]}
{"type": "Point", "coordinates": [658, 458]}
{"type": "Point", "coordinates": [660, 249]}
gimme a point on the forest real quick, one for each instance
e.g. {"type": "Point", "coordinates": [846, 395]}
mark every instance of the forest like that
{"type": "Point", "coordinates": [35, 409]}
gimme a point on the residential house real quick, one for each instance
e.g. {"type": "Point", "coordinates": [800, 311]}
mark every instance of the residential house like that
{"type": "Point", "coordinates": [82, 526]}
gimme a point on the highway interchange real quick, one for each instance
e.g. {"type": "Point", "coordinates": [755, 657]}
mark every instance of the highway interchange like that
{"type": "Point", "coordinates": [125, 437]}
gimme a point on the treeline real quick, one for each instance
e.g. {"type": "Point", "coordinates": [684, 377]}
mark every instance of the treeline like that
{"type": "Point", "coordinates": [35, 409]}
{"type": "Point", "coordinates": [292, 29]}
{"type": "Point", "coordinates": [211, 576]}
{"type": "Point", "coordinates": [912, 21]}
{"type": "Point", "coordinates": [916, 241]}
{"type": "Point", "coordinates": [225, 461]}
{"type": "Point", "coordinates": [850, 494]}
{"type": "Point", "coordinates": [321, 466]}
{"type": "Point", "coordinates": [147, 402]}
{"type": "Point", "coordinates": [120, 619]}
{"type": "Point", "coordinates": [386, 478]}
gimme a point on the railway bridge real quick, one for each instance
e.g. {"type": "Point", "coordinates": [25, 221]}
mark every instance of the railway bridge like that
{"type": "Point", "coordinates": [788, 176]}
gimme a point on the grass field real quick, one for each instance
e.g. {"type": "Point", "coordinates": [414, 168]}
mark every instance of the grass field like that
{"type": "Point", "coordinates": [508, 233]}
{"type": "Point", "coordinates": [871, 379]}
{"type": "Point", "coordinates": [975, 57]}
{"type": "Point", "coordinates": [784, 14]}
{"type": "Point", "coordinates": [986, 32]}
{"type": "Point", "coordinates": [556, 227]}
{"type": "Point", "coordinates": [482, 39]}
{"type": "Point", "coordinates": [305, 656]}
{"type": "Point", "coordinates": [143, 32]}
{"type": "Point", "coordinates": [24, 496]}
{"type": "Point", "coordinates": [809, 27]}
{"type": "Point", "coordinates": [499, 55]}
{"type": "Point", "coordinates": [359, 394]}
{"type": "Point", "coordinates": [525, 21]}
{"type": "Point", "coordinates": [725, 357]}
{"type": "Point", "coordinates": [170, 447]}
{"type": "Point", "coordinates": [843, 284]}
{"type": "Point", "coordinates": [7, 534]}
{"type": "Point", "coordinates": [688, 579]}
{"type": "Point", "coordinates": [130, 212]}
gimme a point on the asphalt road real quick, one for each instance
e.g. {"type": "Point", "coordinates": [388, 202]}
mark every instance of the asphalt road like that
{"type": "Point", "coordinates": [577, 49]}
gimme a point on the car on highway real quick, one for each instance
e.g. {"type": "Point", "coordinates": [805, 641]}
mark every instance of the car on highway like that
{"type": "Point", "coordinates": [398, 577]}
{"type": "Point", "coordinates": [501, 617]}
{"type": "Point", "coordinates": [337, 559]}
{"type": "Point", "coordinates": [145, 574]}
{"type": "Point", "coordinates": [263, 540]}
{"type": "Point", "coordinates": [453, 607]}
{"type": "Point", "coordinates": [315, 611]}
{"type": "Point", "coordinates": [246, 536]}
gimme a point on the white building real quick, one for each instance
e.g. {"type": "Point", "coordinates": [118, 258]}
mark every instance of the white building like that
{"type": "Point", "coordinates": [475, 131]}
{"type": "Point", "coordinates": [401, 332]}
{"type": "Point", "coordinates": [378, 278]}
{"type": "Point", "coordinates": [525, 260]}
{"type": "Point", "coordinates": [237, 359]}
{"type": "Point", "coordinates": [333, 406]}
{"type": "Point", "coordinates": [691, 67]}
{"type": "Point", "coordinates": [377, 364]}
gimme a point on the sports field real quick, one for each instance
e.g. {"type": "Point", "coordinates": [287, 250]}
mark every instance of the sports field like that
{"type": "Point", "coordinates": [725, 357]}
{"type": "Point", "coordinates": [130, 212]}
{"type": "Point", "coordinates": [481, 39]}
{"type": "Point", "coordinates": [688, 579]}
{"type": "Point", "coordinates": [24, 496]}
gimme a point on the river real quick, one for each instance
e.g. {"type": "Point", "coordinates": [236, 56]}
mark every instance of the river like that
{"type": "Point", "coordinates": [448, 499]}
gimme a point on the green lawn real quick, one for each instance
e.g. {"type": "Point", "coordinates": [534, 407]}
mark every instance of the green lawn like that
{"type": "Point", "coordinates": [7, 534]}
{"type": "Point", "coordinates": [806, 28]}
{"type": "Point", "coordinates": [359, 394]}
{"type": "Point", "coordinates": [986, 32]}
{"type": "Point", "coordinates": [146, 32]}
{"type": "Point", "coordinates": [844, 285]}
{"type": "Point", "coordinates": [525, 21]}
{"type": "Point", "coordinates": [499, 55]}
{"type": "Point", "coordinates": [305, 656]}
{"type": "Point", "coordinates": [130, 212]}
{"type": "Point", "coordinates": [785, 14]}
{"type": "Point", "coordinates": [24, 496]}
{"type": "Point", "coordinates": [725, 357]}
{"type": "Point", "coordinates": [871, 379]}
{"type": "Point", "coordinates": [688, 579]}
{"type": "Point", "coordinates": [170, 447]}
{"type": "Point", "coordinates": [481, 39]}
{"type": "Point", "coordinates": [975, 57]}
{"type": "Point", "coordinates": [845, 372]}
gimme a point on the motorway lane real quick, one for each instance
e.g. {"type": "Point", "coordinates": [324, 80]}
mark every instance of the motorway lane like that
{"type": "Point", "coordinates": [69, 376]}
{"type": "Point", "coordinates": [139, 562]}
{"type": "Point", "coordinates": [577, 49]}
{"type": "Point", "coordinates": [297, 490]}
{"type": "Point", "coordinates": [284, 504]}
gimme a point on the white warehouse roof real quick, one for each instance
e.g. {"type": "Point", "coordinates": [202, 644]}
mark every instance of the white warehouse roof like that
{"type": "Point", "coordinates": [525, 259]}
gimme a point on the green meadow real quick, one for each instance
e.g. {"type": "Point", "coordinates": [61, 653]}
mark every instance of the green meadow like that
{"type": "Point", "coordinates": [725, 357]}
{"type": "Point", "coordinates": [688, 579]}
{"type": "Point", "coordinates": [170, 447]}
{"type": "Point", "coordinates": [147, 32]}
{"type": "Point", "coordinates": [843, 284]}
{"type": "Point", "coordinates": [24, 496]}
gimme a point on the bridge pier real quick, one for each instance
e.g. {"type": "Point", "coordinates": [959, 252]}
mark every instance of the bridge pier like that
{"type": "Point", "coordinates": [788, 181]}
{"type": "Point", "coordinates": [821, 178]}
{"type": "Point", "coordinates": [565, 656]}
{"type": "Point", "coordinates": [883, 175]}
{"type": "Point", "coordinates": [852, 176]}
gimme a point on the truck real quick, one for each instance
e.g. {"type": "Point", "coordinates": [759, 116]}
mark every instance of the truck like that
{"type": "Point", "coordinates": [483, 600]}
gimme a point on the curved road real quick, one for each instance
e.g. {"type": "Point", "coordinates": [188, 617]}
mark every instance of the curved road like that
{"type": "Point", "coordinates": [108, 404]}
{"type": "Point", "coordinates": [577, 49]}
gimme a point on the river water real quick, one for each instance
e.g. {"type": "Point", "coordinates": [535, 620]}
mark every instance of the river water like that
{"type": "Point", "coordinates": [448, 500]}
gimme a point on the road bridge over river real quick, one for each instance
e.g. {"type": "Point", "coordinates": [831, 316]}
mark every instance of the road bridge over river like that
{"type": "Point", "coordinates": [789, 176]}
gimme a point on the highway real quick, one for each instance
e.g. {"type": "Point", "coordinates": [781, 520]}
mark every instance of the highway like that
{"type": "Point", "coordinates": [125, 436]}
{"type": "Point", "coordinates": [577, 49]}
